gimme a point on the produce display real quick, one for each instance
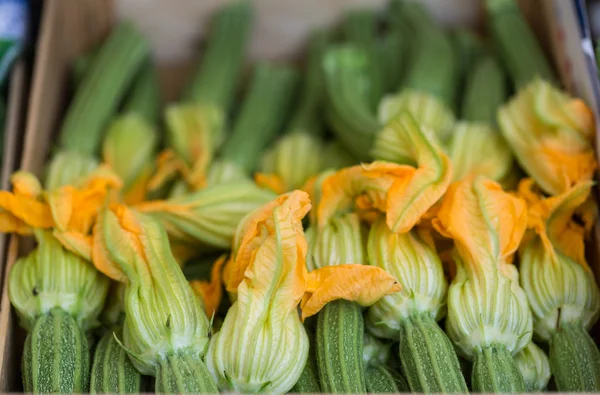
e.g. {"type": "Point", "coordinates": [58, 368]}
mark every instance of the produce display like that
{"type": "Point", "coordinates": [406, 210]}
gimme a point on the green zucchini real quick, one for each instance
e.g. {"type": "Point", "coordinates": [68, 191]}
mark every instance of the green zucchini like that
{"type": "Point", "coordinates": [429, 361]}
{"type": "Point", "coordinates": [380, 379]}
{"type": "Point", "coordinates": [112, 371]}
{"type": "Point", "coordinates": [574, 360]}
{"type": "Point", "coordinates": [308, 383]}
{"type": "Point", "coordinates": [340, 329]}
{"type": "Point", "coordinates": [495, 370]}
{"type": "Point", "coordinates": [56, 356]}
{"type": "Point", "coordinates": [184, 373]}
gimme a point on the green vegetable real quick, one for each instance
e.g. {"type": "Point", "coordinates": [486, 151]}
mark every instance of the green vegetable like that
{"type": "Point", "coordinates": [262, 114]}
{"type": "Point", "coordinates": [309, 379]}
{"type": "Point", "coordinates": [534, 366]}
{"type": "Point", "coordinates": [56, 357]}
{"type": "Point", "coordinates": [183, 373]}
{"type": "Point", "coordinates": [429, 361]}
{"type": "Point", "coordinates": [112, 371]}
{"type": "Point", "coordinates": [144, 97]}
{"type": "Point", "coordinates": [340, 348]}
{"type": "Point", "coordinates": [432, 66]}
{"type": "Point", "coordinates": [516, 43]}
{"type": "Point", "coordinates": [495, 370]}
{"type": "Point", "coordinates": [348, 89]}
{"type": "Point", "coordinates": [574, 360]}
{"type": "Point", "coordinates": [102, 89]}
{"type": "Point", "coordinates": [220, 69]}
{"type": "Point", "coordinates": [380, 379]}
{"type": "Point", "coordinates": [485, 92]}
{"type": "Point", "coordinates": [359, 29]}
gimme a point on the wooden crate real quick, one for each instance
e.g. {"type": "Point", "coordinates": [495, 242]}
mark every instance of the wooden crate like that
{"type": "Point", "coordinates": [175, 30]}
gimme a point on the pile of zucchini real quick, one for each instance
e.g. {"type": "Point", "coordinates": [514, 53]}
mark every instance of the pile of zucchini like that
{"type": "Point", "coordinates": [407, 210]}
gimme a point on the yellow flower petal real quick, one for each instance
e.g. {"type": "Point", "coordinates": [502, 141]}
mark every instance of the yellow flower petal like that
{"type": "Point", "coordinates": [253, 232]}
{"type": "Point", "coordinates": [412, 195]}
{"type": "Point", "coordinates": [25, 184]}
{"type": "Point", "coordinates": [486, 223]}
{"type": "Point", "coordinates": [270, 181]}
{"type": "Point", "coordinates": [357, 283]}
{"type": "Point", "coordinates": [551, 136]}
{"type": "Point", "coordinates": [211, 291]}
{"type": "Point", "coordinates": [551, 219]}
{"type": "Point", "coordinates": [75, 242]}
{"type": "Point", "coordinates": [19, 210]}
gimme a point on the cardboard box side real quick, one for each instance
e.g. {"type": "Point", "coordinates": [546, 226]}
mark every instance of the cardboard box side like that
{"type": "Point", "coordinates": [12, 139]}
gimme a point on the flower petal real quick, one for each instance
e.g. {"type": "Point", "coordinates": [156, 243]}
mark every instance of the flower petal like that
{"type": "Point", "coordinates": [486, 223]}
{"type": "Point", "coordinates": [551, 136]}
{"type": "Point", "coordinates": [211, 291]}
{"type": "Point", "coordinates": [270, 181]}
{"type": "Point", "coordinates": [362, 284]}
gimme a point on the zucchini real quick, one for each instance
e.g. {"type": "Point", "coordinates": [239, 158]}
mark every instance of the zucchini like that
{"type": "Point", "coordinates": [56, 357]}
{"type": "Point", "coordinates": [495, 370]}
{"type": "Point", "coordinates": [574, 360]}
{"type": "Point", "coordinates": [380, 379]}
{"type": "Point", "coordinates": [112, 371]}
{"type": "Point", "coordinates": [183, 373]}
{"type": "Point", "coordinates": [429, 361]}
{"type": "Point", "coordinates": [520, 50]}
{"type": "Point", "coordinates": [308, 383]}
{"type": "Point", "coordinates": [262, 115]}
{"type": "Point", "coordinates": [102, 89]}
{"type": "Point", "coordinates": [340, 329]}
{"type": "Point", "coordinates": [485, 92]}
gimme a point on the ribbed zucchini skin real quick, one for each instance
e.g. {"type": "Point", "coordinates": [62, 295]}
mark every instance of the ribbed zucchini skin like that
{"type": "Point", "coordinates": [429, 361]}
{"type": "Point", "coordinates": [381, 379]}
{"type": "Point", "coordinates": [340, 330]}
{"type": "Point", "coordinates": [574, 360]}
{"type": "Point", "coordinates": [495, 370]}
{"type": "Point", "coordinates": [56, 357]}
{"type": "Point", "coordinates": [112, 371]}
{"type": "Point", "coordinates": [184, 373]}
{"type": "Point", "coordinates": [308, 383]}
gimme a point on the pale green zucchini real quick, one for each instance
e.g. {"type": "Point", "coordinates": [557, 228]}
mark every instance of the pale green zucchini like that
{"type": "Point", "coordinates": [56, 356]}
{"type": "Point", "coordinates": [574, 360]}
{"type": "Point", "coordinates": [429, 361]}
{"type": "Point", "coordinates": [495, 370]}
{"type": "Point", "coordinates": [184, 373]}
{"type": "Point", "coordinates": [112, 371]}
{"type": "Point", "coordinates": [340, 330]}
{"type": "Point", "coordinates": [380, 379]}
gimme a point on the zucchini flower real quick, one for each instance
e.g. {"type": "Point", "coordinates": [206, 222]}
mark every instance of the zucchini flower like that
{"type": "Point", "coordinates": [551, 135]}
{"type": "Point", "coordinates": [554, 273]}
{"type": "Point", "coordinates": [208, 216]}
{"type": "Point", "coordinates": [68, 211]}
{"type": "Point", "coordinates": [51, 277]}
{"type": "Point", "coordinates": [268, 274]}
{"type": "Point", "coordinates": [428, 111]}
{"type": "Point", "coordinates": [165, 331]}
{"type": "Point", "coordinates": [477, 148]}
{"type": "Point", "coordinates": [291, 162]}
{"type": "Point", "coordinates": [411, 258]}
{"type": "Point", "coordinates": [534, 366]}
{"type": "Point", "coordinates": [129, 149]}
{"type": "Point", "coordinates": [195, 132]}
{"type": "Point", "coordinates": [487, 225]}
{"type": "Point", "coordinates": [560, 286]}
{"type": "Point", "coordinates": [69, 168]}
